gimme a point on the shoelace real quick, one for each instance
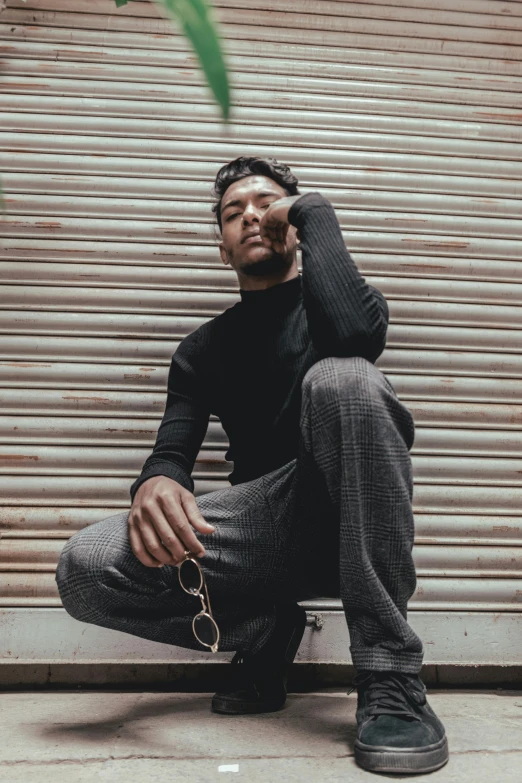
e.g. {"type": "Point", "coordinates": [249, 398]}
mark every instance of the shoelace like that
{"type": "Point", "coordinates": [390, 693]}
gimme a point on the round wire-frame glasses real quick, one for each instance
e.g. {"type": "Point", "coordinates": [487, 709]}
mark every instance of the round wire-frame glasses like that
{"type": "Point", "coordinates": [192, 580]}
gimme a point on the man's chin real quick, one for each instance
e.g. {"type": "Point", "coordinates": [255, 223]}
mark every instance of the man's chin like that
{"type": "Point", "coordinates": [263, 267]}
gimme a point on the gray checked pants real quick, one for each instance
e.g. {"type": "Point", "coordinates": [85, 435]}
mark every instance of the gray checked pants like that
{"type": "Point", "coordinates": [336, 521]}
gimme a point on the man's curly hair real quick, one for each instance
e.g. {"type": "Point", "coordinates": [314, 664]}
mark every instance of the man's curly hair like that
{"type": "Point", "coordinates": [246, 167]}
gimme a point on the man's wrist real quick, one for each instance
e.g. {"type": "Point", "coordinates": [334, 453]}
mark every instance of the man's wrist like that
{"type": "Point", "coordinates": [305, 202]}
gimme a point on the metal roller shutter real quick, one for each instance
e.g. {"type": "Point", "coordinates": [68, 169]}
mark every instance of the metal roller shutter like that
{"type": "Point", "coordinates": [408, 120]}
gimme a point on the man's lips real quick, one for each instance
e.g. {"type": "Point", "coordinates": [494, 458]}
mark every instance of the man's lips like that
{"type": "Point", "coordinates": [254, 238]}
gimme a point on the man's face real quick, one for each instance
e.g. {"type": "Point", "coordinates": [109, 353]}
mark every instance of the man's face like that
{"type": "Point", "coordinates": [243, 205]}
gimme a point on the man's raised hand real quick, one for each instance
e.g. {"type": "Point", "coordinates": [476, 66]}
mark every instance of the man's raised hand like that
{"type": "Point", "coordinates": [273, 226]}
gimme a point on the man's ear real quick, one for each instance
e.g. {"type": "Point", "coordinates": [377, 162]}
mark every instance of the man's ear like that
{"type": "Point", "coordinates": [223, 253]}
{"type": "Point", "coordinates": [298, 238]}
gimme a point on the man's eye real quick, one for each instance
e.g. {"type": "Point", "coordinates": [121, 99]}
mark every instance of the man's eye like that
{"type": "Point", "coordinates": [232, 216]}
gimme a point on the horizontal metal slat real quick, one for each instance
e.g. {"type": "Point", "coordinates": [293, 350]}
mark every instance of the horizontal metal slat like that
{"type": "Point", "coordinates": [132, 378]}
{"type": "Point", "coordinates": [315, 26]}
{"type": "Point", "coordinates": [465, 442]}
{"type": "Point", "coordinates": [411, 301]}
{"type": "Point", "coordinates": [450, 528]}
{"type": "Point", "coordinates": [86, 175]}
{"type": "Point", "coordinates": [84, 461]}
{"type": "Point", "coordinates": [314, 90]}
{"type": "Point", "coordinates": [30, 555]}
{"type": "Point", "coordinates": [473, 402]}
{"type": "Point", "coordinates": [85, 431]}
{"type": "Point", "coordinates": [493, 15]}
{"type": "Point", "coordinates": [126, 256]}
{"type": "Point", "coordinates": [415, 359]}
{"type": "Point", "coordinates": [148, 193]}
{"type": "Point", "coordinates": [245, 57]}
{"type": "Point", "coordinates": [282, 75]}
{"type": "Point", "coordinates": [44, 523]}
{"type": "Point", "coordinates": [490, 7]}
{"type": "Point", "coordinates": [470, 384]}
{"type": "Point", "coordinates": [432, 594]}
{"type": "Point", "coordinates": [61, 432]}
{"type": "Point", "coordinates": [159, 153]}
{"type": "Point", "coordinates": [153, 46]}
{"type": "Point", "coordinates": [455, 594]}
{"type": "Point", "coordinates": [31, 105]}
{"type": "Point", "coordinates": [96, 491]}
{"type": "Point", "coordinates": [29, 229]}
{"type": "Point", "coordinates": [176, 279]}
{"type": "Point", "coordinates": [92, 461]}
{"type": "Point", "coordinates": [207, 291]}
{"type": "Point", "coordinates": [65, 375]}
{"type": "Point", "coordinates": [51, 402]}
{"type": "Point", "coordinates": [467, 530]}
{"type": "Point", "coordinates": [469, 414]}
{"type": "Point", "coordinates": [92, 132]}
{"type": "Point", "coordinates": [449, 362]}
{"type": "Point", "coordinates": [92, 411]}
{"type": "Point", "coordinates": [155, 336]}
{"type": "Point", "coordinates": [75, 325]}
{"type": "Point", "coordinates": [243, 63]}
{"type": "Point", "coordinates": [185, 213]}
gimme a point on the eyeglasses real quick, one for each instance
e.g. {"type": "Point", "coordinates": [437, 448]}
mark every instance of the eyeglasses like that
{"type": "Point", "coordinates": [192, 580]}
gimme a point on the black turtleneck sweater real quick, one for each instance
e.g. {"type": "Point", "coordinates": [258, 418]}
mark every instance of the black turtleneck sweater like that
{"type": "Point", "coordinates": [246, 365]}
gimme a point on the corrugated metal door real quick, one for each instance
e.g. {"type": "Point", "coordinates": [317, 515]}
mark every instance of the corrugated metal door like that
{"type": "Point", "coordinates": [406, 118]}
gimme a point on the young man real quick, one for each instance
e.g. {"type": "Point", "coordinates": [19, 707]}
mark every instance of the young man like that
{"type": "Point", "coordinates": [320, 497]}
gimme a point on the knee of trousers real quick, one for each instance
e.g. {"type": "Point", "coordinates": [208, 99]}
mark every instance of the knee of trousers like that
{"type": "Point", "coordinates": [340, 377]}
{"type": "Point", "coordinates": [75, 576]}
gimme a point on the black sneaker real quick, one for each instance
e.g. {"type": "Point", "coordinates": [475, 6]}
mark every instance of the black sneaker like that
{"type": "Point", "coordinates": [397, 729]}
{"type": "Point", "coordinates": [258, 682]}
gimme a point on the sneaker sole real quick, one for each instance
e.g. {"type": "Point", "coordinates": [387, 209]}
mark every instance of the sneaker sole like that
{"type": "Point", "coordinates": [225, 706]}
{"type": "Point", "coordinates": [404, 760]}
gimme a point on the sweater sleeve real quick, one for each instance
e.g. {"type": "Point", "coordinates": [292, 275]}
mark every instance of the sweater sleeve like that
{"type": "Point", "coordinates": [184, 422]}
{"type": "Point", "coordinates": [346, 316]}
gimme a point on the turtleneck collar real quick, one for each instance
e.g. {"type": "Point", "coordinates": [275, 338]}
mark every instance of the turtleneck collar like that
{"type": "Point", "coordinates": [283, 295]}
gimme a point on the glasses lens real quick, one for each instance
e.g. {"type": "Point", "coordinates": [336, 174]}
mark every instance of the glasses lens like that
{"type": "Point", "coordinates": [205, 629]}
{"type": "Point", "coordinates": [190, 576]}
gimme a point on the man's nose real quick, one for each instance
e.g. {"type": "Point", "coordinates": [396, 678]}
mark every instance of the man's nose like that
{"type": "Point", "coordinates": [251, 214]}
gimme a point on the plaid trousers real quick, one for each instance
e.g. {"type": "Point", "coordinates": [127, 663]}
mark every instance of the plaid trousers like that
{"type": "Point", "coordinates": [336, 521]}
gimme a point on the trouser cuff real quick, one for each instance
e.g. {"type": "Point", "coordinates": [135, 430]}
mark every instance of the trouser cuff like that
{"type": "Point", "coordinates": [385, 660]}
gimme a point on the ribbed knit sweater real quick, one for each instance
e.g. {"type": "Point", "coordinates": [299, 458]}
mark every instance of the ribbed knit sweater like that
{"type": "Point", "coordinates": [247, 364]}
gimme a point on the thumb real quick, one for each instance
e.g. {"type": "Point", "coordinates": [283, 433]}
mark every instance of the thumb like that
{"type": "Point", "coordinates": [195, 517]}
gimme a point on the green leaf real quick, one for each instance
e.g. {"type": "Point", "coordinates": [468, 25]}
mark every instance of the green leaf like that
{"type": "Point", "coordinates": [202, 33]}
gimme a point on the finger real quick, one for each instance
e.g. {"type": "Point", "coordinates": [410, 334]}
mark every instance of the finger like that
{"type": "Point", "coordinates": [139, 550]}
{"type": "Point", "coordinates": [153, 544]}
{"type": "Point", "coordinates": [195, 517]}
{"type": "Point", "coordinates": [179, 523]}
{"type": "Point", "coordinates": [265, 232]}
{"type": "Point", "coordinates": [169, 538]}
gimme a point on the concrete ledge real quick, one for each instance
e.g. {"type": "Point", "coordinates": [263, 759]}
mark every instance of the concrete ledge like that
{"type": "Point", "coordinates": [51, 636]}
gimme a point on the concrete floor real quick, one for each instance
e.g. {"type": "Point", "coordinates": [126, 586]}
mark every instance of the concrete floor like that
{"type": "Point", "coordinates": [111, 736]}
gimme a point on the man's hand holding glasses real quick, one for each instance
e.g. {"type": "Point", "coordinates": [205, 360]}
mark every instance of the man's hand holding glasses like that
{"type": "Point", "coordinates": [161, 523]}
